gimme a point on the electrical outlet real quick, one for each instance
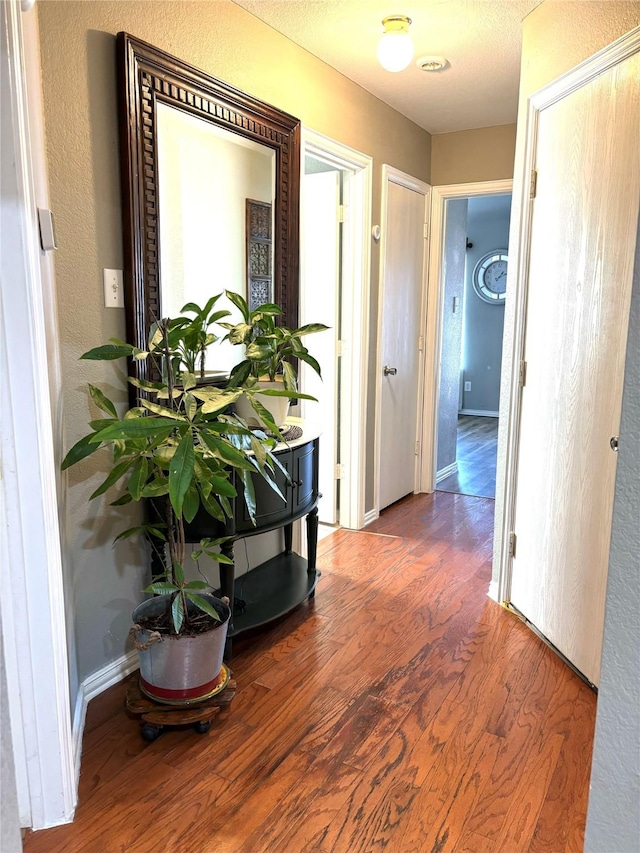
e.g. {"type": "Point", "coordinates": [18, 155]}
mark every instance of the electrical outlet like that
{"type": "Point", "coordinates": [467, 386]}
{"type": "Point", "coordinates": [113, 289]}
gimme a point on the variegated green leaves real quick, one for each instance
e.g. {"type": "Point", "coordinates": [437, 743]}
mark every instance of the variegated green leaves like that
{"type": "Point", "coordinates": [181, 446]}
{"type": "Point", "coordinates": [270, 348]}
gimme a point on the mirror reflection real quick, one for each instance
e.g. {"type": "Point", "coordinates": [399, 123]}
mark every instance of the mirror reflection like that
{"type": "Point", "coordinates": [194, 153]}
{"type": "Point", "coordinates": [216, 191]}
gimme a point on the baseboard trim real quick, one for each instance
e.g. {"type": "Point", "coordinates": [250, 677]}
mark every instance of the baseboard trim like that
{"type": "Point", "coordinates": [480, 413]}
{"type": "Point", "coordinates": [371, 516]}
{"type": "Point", "coordinates": [492, 592]}
{"type": "Point", "coordinates": [447, 472]}
{"type": "Point", "coordinates": [91, 687]}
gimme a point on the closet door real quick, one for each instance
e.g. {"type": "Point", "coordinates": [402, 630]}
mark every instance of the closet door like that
{"type": "Point", "coordinates": [400, 323]}
{"type": "Point", "coordinates": [585, 216]}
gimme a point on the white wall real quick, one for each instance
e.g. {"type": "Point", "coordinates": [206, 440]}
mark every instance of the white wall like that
{"type": "Point", "coordinates": [487, 230]}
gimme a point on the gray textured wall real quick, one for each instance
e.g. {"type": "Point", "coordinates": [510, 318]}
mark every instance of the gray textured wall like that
{"type": "Point", "coordinates": [613, 824]}
{"type": "Point", "coordinates": [487, 229]}
{"type": "Point", "coordinates": [449, 395]}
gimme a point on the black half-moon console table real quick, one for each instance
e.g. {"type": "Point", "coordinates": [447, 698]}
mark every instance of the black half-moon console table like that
{"type": "Point", "coordinates": [275, 587]}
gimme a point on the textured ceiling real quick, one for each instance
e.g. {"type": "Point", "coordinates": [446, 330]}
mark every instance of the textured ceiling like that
{"type": "Point", "coordinates": [480, 38]}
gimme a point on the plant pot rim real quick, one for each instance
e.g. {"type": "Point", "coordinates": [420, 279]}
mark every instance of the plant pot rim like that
{"type": "Point", "coordinates": [160, 601]}
{"type": "Point", "coordinates": [185, 672]}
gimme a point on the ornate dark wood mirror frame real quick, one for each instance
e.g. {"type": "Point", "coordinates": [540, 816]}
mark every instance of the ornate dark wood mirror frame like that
{"type": "Point", "coordinates": [148, 76]}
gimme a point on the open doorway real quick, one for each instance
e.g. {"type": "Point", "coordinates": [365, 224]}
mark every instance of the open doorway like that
{"type": "Point", "coordinates": [335, 289]}
{"type": "Point", "coordinates": [476, 236]}
{"type": "Point", "coordinates": [322, 275]}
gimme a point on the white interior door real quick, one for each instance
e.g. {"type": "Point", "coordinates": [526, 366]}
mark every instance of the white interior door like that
{"type": "Point", "coordinates": [401, 301]}
{"type": "Point", "coordinates": [319, 300]}
{"type": "Point", "coordinates": [585, 216]}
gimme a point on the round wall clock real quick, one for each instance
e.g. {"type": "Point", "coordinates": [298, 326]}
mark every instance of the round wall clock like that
{"type": "Point", "coordinates": [490, 276]}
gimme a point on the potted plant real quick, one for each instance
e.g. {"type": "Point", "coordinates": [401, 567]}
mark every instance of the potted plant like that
{"type": "Point", "coordinates": [267, 373]}
{"type": "Point", "coordinates": [182, 448]}
{"type": "Point", "coordinates": [197, 336]}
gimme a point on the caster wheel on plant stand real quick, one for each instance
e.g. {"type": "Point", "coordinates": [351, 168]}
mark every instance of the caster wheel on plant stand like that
{"type": "Point", "coordinates": [150, 732]}
{"type": "Point", "coordinates": [156, 717]}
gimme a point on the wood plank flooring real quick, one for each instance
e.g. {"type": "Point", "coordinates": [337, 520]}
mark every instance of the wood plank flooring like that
{"type": "Point", "coordinates": [401, 710]}
{"type": "Point", "coordinates": [476, 453]}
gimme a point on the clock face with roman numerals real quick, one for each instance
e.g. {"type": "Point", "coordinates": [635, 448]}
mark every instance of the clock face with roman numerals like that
{"type": "Point", "coordinates": [490, 277]}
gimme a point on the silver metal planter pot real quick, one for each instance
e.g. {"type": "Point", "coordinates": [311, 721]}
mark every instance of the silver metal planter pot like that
{"type": "Point", "coordinates": [180, 670]}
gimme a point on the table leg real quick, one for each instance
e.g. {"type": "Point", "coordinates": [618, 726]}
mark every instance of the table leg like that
{"type": "Point", "coordinates": [227, 582]}
{"type": "Point", "coordinates": [312, 542]}
{"type": "Point", "coordinates": [288, 538]}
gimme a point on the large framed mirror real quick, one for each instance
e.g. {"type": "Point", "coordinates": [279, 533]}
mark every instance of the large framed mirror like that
{"type": "Point", "coordinates": [211, 192]}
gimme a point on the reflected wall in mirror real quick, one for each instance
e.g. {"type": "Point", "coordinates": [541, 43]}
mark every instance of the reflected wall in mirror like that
{"type": "Point", "coordinates": [205, 177]}
{"type": "Point", "coordinates": [194, 152]}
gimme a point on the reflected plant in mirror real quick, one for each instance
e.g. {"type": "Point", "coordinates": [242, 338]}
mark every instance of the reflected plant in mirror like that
{"type": "Point", "coordinates": [270, 348]}
{"type": "Point", "coordinates": [196, 336]}
{"type": "Point", "coordinates": [269, 358]}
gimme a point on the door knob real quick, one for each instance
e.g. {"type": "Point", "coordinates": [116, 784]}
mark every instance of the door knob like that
{"type": "Point", "coordinates": [390, 371]}
{"type": "Point", "coordinates": [613, 443]}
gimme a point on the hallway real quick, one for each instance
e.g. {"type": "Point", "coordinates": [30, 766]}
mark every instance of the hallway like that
{"type": "Point", "coordinates": [476, 451]}
{"type": "Point", "coordinates": [401, 709]}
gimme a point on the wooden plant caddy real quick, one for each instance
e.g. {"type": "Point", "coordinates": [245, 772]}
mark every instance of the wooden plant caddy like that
{"type": "Point", "coordinates": [155, 716]}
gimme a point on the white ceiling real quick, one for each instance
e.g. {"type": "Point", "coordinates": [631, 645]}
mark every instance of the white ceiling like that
{"type": "Point", "coordinates": [480, 38]}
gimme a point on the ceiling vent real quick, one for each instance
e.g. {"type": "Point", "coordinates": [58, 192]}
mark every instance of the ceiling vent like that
{"type": "Point", "coordinates": [432, 63]}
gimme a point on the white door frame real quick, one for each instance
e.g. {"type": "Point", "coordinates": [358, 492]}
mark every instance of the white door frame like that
{"type": "Point", "coordinates": [390, 174]}
{"type": "Point", "coordinates": [519, 247]}
{"type": "Point", "coordinates": [434, 314]}
{"type": "Point", "coordinates": [33, 609]}
{"type": "Point", "coordinates": [356, 266]}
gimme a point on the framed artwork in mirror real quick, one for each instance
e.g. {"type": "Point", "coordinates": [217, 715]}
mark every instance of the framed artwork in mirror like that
{"type": "Point", "coordinates": [259, 253]}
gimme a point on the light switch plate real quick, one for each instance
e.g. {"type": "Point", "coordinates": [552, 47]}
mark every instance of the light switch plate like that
{"type": "Point", "coordinates": [113, 289]}
{"type": "Point", "coordinates": [47, 230]}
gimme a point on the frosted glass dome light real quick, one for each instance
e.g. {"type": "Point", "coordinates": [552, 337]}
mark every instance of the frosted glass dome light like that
{"type": "Point", "coordinates": [395, 48]}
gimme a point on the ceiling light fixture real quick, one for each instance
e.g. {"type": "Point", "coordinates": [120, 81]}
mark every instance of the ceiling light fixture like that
{"type": "Point", "coordinates": [432, 63]}
{"type": "Point", "coordinates": [395, 48]}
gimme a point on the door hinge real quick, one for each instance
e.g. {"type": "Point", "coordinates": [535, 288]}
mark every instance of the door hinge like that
{"type": "Point", "coordinates": [342, 213]}
{"type": "Point", "coordinates": [512, 545]}
{"type": "Point", "coordinates": [420, 343]}
{"type": "Point", "coordinates": [339, 348]}
{"type": "Point", "coordinates": [339, 471]}
{"type": "Point", "coordinates": [417, 448]}
{"type": "Point", "coordinates": [533, 187]}
{"type": "Point", "coordinates": [426, 230]}
{"type": "Point", "coordinates": [523, 374]}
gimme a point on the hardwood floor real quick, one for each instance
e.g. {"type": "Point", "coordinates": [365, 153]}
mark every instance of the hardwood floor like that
{"type": "Point", "coordinates": [401, 710]}
{"type": "Point", "coordinates": [476, 452]}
